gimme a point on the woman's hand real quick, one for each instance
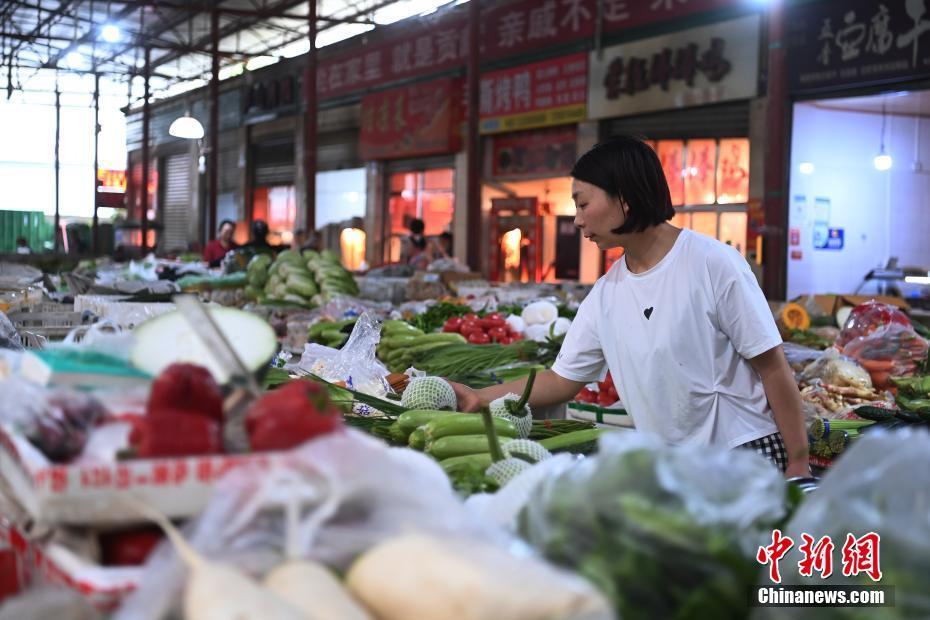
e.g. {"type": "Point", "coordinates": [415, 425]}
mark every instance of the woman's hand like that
{"type": "Point", "coordinates": [467, 398]}
{"type": "Point", "coordinates": [798, 469]}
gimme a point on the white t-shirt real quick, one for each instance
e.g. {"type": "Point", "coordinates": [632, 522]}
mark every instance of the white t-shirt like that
{"type": "Point", "coordinates": [677, 339]}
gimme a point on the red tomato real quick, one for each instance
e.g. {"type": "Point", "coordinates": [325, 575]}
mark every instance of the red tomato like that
{"type": "Point", "coordinates": [494, 316]}
{"type": "Point", "coordinates": [604, 398]}
{"type": "Point", "coordinates": [469, 327]}
{"type": "Point", "coordinates": [505, 340]}
{"type": "Point", "coordinates": [608, 380]}
{"type": "Point", "coordinates": [471, 316]}
{"type": "Point", "coordinates": [586, 395]}
{"type": "Point", "coordinates": [453, 324]}
{"type": "Point", "coordinates": [496, 333]}
{"type": "Point", "coordinates": [479, 337]}
{"type": "Point", "coordinates": [516, 336]}
{"type": "Point", "coordinates": [129, 547]}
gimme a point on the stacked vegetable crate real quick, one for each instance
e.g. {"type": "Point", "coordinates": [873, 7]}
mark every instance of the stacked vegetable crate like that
{"type": "Point", "coordinates": [50, 320]}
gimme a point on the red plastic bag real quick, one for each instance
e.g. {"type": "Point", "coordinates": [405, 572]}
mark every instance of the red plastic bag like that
{"type": "Point", "coordinates": [881, 338]}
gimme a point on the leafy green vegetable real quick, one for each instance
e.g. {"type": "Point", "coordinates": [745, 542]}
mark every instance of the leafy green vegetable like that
{"type": "Point", "coordinates": [436, 315]}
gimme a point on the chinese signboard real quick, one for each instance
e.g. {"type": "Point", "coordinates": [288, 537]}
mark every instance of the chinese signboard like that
{"type": "Point", "coordinates": [421, 119]}
{"type": "Point", "coordinates": [688, 68]}
{"type": "Point", "coordinates": [549, 152]}
{"type": "Point", "coordinates": [111, 181]}
{"type": "Point", "coordinates": [857, 42]}
{"type": "Point", "coordinates": [551, 92]}
{"type": "Point", "coordinates": [440, 41]}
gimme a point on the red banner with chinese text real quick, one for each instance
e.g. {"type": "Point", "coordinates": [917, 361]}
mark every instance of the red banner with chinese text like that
{"type": "Point", "coordinates": [421, 119]}
{"type": "Point", "coordinates": [545, 93]}
{"type": "Point", "coordinates": [439, 42]}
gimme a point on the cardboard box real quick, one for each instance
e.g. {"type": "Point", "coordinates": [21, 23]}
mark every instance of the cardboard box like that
{"type": "Point", "coordinates": [827, 305]}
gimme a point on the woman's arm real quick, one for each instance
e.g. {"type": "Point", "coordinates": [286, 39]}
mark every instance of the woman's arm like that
{"type": "Point", "coordinates": [785, 401]}
{"type": "Point", "coordinates": [548, 389]}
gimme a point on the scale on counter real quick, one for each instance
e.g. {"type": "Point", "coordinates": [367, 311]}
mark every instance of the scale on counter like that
{"type": "Point", "coordinates": [910, 283]}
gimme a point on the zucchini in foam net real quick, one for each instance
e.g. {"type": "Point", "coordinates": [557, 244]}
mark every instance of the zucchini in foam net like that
{"type": "Point", "coordinates": [428, 393]}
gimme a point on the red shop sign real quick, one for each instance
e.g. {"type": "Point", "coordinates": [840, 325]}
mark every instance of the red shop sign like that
{"type": "Point", "coordinates": [440, 41]}
{"type": "Point", "coordinates": [552, 92]}
{"type": "Point", "coordinates": [421, 119]}
{"type": "Point", "coordinates": [548, 152]}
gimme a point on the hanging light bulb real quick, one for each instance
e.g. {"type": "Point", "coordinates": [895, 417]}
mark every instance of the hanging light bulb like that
{"type": "Point", "coordinates": [883, 160]}
{"type": "Point", "coordinates": [186, 127]}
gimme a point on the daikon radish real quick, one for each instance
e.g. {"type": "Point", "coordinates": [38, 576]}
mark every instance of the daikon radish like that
{"type": "Point", "coordinates": [215, 591]}
{"type": "Point", "coordinates": [308, 586]}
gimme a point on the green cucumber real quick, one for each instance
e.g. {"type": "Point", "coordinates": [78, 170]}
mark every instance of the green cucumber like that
{"type": "Point", "coordinates": [466, 424]}
{"type": "Point", "coordinates": [454, 464]}
{"type": "Point", "coordinates": [458, 445]}
{"type": "Point", "coordinates": [410, 420]}
{"type": "Point", "coordinates": [417, 439]}
{"type": "Point", "coordinates": [569, 441]}
{"type": "Point", "coordinates": [398, 342]}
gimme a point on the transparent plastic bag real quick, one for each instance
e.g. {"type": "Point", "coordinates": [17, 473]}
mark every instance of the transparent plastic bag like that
{"type": "Point", "coordinates": [9, 337]}
{"type": "Point", "coordinates": [880, 485]}
{"type": "Point", "coordinates": [893, 350]}
{"type": "Point", "coordinates": [355, 363]}
{"type": "Point", "coordinates": [662, 531]}
{"type": "Point", "coordinates": [57, 422]}
{"type": "Point", "coordinates": [799, 357]}
{"type": "Point", "coordinates": [836, 369]}
{"type": "Point", "coordinates": [354, 493]}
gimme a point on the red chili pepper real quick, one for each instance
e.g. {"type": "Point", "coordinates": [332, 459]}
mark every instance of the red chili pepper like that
{"type": "Point", "coordinates": [176, 433]}
{"type": "Point", "coordinates": [290, 415]}
{"type": "Point", "coordinates": [186, 387]}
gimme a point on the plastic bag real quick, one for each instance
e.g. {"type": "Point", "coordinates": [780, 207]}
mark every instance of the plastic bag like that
{"type": "Point", "coordinates": [355, 363]}
{"type": "Point", "coordinates": [881, 338]}
{"type": "Point", "coordinates": [880, 485]}
{"type": "Point", "coordinates": [799, 357]}
{"type": "Point", "coordinates": [663, 531]}
{"type": "Point", "coordinates": [55, 421]}
{"type": "Point", "coordinates": [9, 337]}
{"type": "Point", "coordinates": [355, 492]}
{"type": "Point", "coordinates": [836, 369]}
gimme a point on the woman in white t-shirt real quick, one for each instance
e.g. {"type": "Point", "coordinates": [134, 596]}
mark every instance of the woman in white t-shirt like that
{"type": "Point", "coordinates": [680, 321]}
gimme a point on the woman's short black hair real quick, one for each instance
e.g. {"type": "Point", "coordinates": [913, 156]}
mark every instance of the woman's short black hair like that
{"type": "Point", "coordinates": [416, 226]}
{"type": "Point", "coordinates": [224, 222]}
{"type": "Point", "coordinates": [628, 169]}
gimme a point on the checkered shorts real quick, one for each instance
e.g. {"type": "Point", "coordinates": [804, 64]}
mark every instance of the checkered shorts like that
{"type": "Point", "coordinates": [771, 447]}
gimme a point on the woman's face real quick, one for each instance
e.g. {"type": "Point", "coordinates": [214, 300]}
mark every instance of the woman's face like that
{"type": "Point", "coordinates": [597, 214]}
{"type": "Point", "coordinates": [226, 233]}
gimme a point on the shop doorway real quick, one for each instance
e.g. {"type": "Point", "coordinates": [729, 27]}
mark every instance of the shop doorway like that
{"type": "Point", "coordinates": [859, 196]}
{"type": "Point", "coordinates": [428, 195]}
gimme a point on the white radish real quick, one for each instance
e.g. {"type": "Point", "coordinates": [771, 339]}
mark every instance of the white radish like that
{"type": "Point", "coordinates": [516, 323]}
{"type": "Point", "coordinates": [560, 326]}
{"type": "Point", "coordinates": [308, 586]}
{"type": "Point", "coordinates": [219, 592]}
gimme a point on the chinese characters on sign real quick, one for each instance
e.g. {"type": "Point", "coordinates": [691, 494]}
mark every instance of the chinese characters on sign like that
{"type": "Point", "coordinates": [421, 119]}
{"type": "Point", "coordinates": [549, 152]}
{"type": "Point", "coordinates": [439, 42]}
{"type": "Point", "coordinates": [693, 67]}
{"type": "Point", "coordinates": [632, 75]}
{"type": "Point", "coordinates": [859, 41]}
{"type": "Point", "coordinates": [544, 93]}
{"type": "Point", "coordinates": [859, 555]}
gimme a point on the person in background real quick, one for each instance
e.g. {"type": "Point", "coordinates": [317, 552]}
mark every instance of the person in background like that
{"type": "Point", "coordinates": [22, 246]}
{"type": "Point", "coordinates": [304, 240]}
{"type": "Point", "coordinates": [217, 248]}
{"type": "Point", "coordinates": [442, 247]}
{"type": "Point", "coordinates": [259, 239]}
{"type": "Point", "coordinates": [414, 251]}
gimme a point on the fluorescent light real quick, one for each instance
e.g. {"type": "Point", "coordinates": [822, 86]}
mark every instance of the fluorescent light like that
{"type": "Point", "coordinates": [74, 60]}
{"type": "Point", "coordinates": [882, 162]}
{"type": "Point", "coordinates": [260, 61]}
{"type": "Point", "coordinates": [111, 33]}
{"type": "Point", "coordinates": [917, 279]}
{"type": "Point", "coordinates": [806, 167]}
{"type": "Point", "coordinates": [186, 127]}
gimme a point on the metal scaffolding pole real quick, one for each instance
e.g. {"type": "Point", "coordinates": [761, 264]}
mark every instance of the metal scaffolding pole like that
{"type": "Point", "coordinates": [96, 224]}
{"type": "Point", "coordinates": [213, 155]}
{"type": "Point", "coordinates": [473, 142]}
{"type": "Point", "coordinates": [57, 165]}
{"type": "Point", "coordinates": [146, 119]}
{"type": "Point", "coordinates": [310, 122]}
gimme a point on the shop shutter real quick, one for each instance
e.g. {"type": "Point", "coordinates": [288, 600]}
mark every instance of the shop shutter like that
{"type": "Point", "coordinates": [726, 120]}
{"type": "Point", "coordinates": [177, 202]}
{"type": "Point", "coordinates": [229, 170]}
{"type": "Point", "coordinates": [274, 162]}
{"type": "Point", "coordinates": [338, 150]}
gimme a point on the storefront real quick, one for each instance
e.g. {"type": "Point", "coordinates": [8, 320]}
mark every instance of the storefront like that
{"type": "Point", "coordinates": [689, 94]}
{"type": "Point", "coordinates": [413, 133]}
{"type": "Point", "coordinates": [859, 186]}
{"type": "Point", "coordinates": [529, 115]}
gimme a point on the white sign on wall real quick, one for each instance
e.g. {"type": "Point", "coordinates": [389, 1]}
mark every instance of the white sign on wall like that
{"type": "Point", "coordinates": [714, 63]}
